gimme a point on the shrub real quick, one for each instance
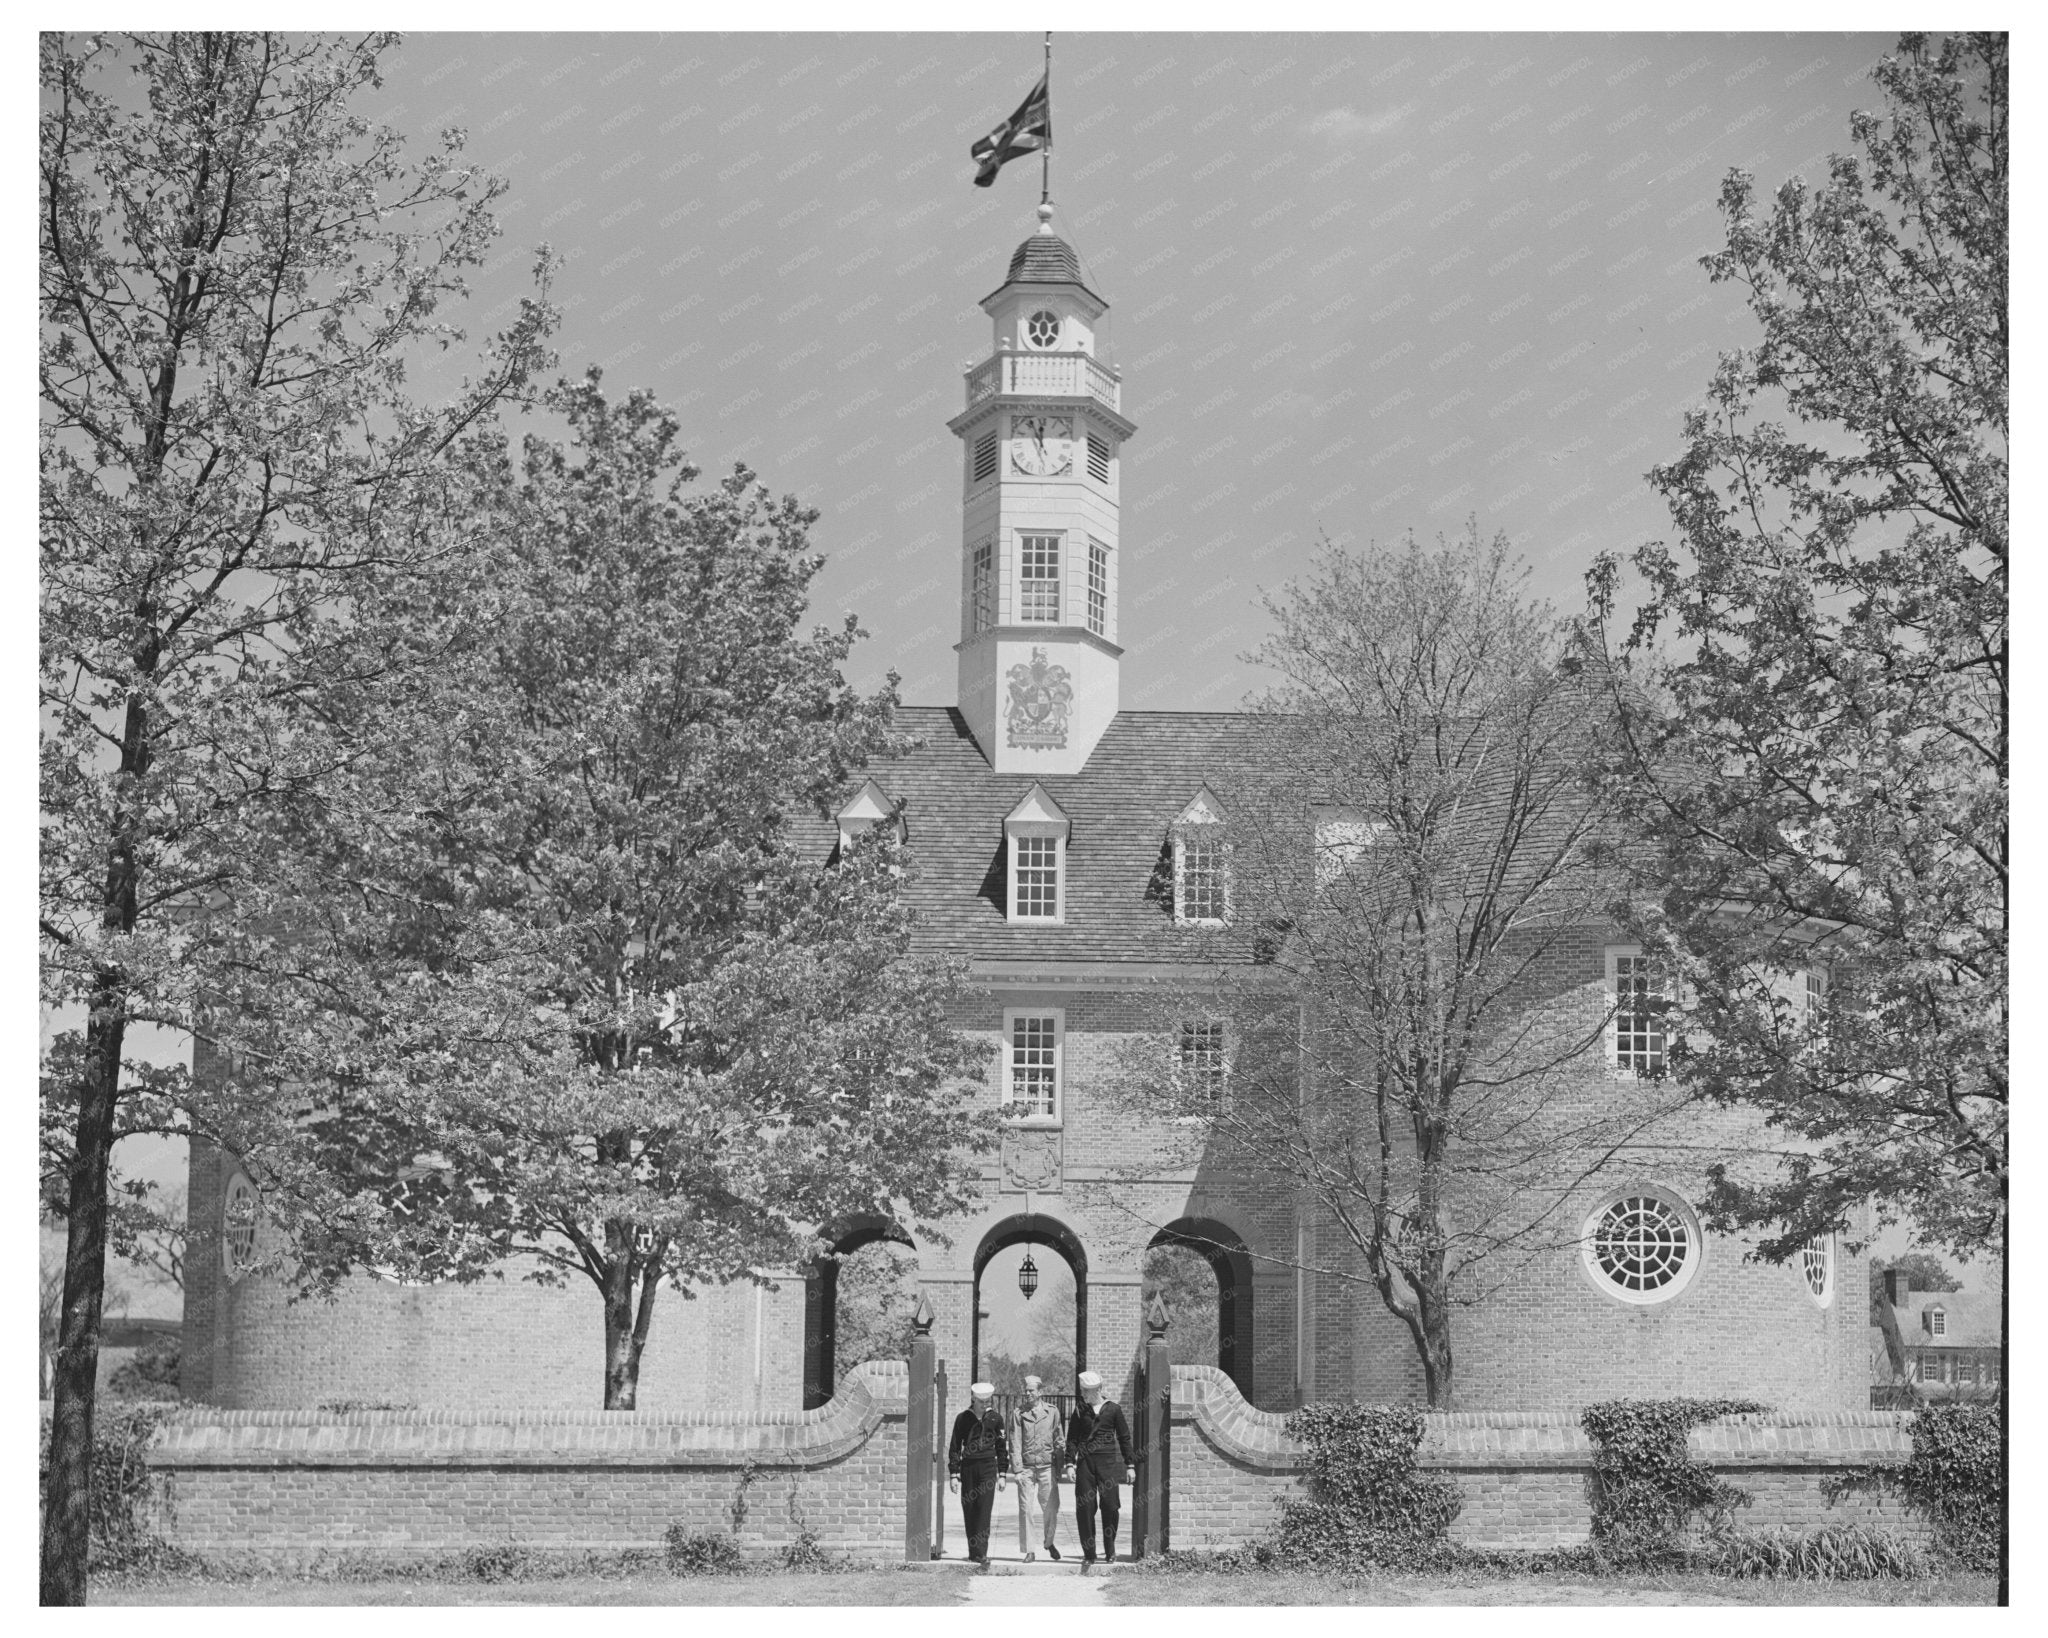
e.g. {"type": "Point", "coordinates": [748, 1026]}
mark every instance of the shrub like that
{"type": "Point", "coordinates": [127, 1502]}
{"type": "Point", "coordinates": [1370, 1503]}
{"type": "Point", "coordinates": [151, 1374]}
{"type": "Point", "coordinates": [503, 1561]}
{"type": "Point", "coordinates": [702, 1552]}
{"type": "Point", "coordinates": [1835, 1552]}
{"type": "Point", "coordinates": [1646, 1486]}
{"type": "Point", "coordinates": [1952, 1478]}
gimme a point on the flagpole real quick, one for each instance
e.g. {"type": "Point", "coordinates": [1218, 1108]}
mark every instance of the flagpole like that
{"type": "Point", "coordinates": [1045, 173]}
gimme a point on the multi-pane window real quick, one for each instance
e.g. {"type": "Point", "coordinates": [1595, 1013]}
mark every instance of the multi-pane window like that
{"type": "Point", "coordinates": [1035, 1064]}
{"type": "Point", "coordinates": [985, 454]}
{"type": "Point", "coordinates": [1815, 998]}
{"type": "Point", "coordinates": [1041, 577]}
{"type": "Point", "coordinates": [1937, 1322]}
{"type": "Point", "coordinates": [1042, 329]}
{"type": "Point", "coordinates": [1038, 878]}
{"type": "Point", "coordinates": [984, 585]}
{"type": "Point", "coordinates": [1098, 459]}
{"type": "Point", "coordinates": [1816, 1262]}
{"type": "Point", "coordinates": [1638, 1015]}
{"type": "Point", "coordinates": [1641, 1245]}
{"type": "Point", "coordinates": [1203, 1066]}
{"type": "Point", "coordinates": [1202, 875]}
{"type": "Point", "coordinates": [1098, 588]}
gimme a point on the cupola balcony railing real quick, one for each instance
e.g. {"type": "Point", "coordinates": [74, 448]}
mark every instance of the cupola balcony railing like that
{"type": "Point", "coordinates": [1055, 375]}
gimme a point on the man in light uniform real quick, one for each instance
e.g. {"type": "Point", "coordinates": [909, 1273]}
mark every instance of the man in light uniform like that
{"type": "Point", "coordinates": [1039, 1438]}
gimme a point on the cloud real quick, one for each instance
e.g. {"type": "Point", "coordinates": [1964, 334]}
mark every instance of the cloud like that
{"type": "Point", "coordinates": [1341, 127]}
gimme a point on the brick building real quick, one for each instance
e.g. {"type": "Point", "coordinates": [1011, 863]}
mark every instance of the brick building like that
{"type": "Point", "coordinates": [1067, 849]}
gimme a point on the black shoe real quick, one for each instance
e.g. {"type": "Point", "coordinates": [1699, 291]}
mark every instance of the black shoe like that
{"type": "Point", "coordinates": [982, 1561]}
{"type": "Point", "coordinates": [1087, 1564]}
{"type": "Point", "coordinates": [1109, 1555]}
{"type": "Point", "coordinates": [1052, 1552]}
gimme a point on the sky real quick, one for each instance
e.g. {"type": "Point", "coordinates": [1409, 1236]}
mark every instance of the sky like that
{"type": "Point", "coordinates": [1360, 284]}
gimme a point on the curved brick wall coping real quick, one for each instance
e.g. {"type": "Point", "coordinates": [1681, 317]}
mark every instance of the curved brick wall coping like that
{"type": "Point", "coordinates": [1203, 1395]}
{"type": "Point", "coordinates": [543, 1436]}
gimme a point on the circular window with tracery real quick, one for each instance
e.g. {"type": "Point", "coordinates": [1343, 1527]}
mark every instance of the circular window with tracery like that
{"type": "Point", "coordinates": [1642, 1246]}
{"type": "Point", "coordinates": [1042, 329]}
{"type": "Point", "coordinates": [239, 1211]}
{"type": "Point", "coordinates": [1817, 1264]}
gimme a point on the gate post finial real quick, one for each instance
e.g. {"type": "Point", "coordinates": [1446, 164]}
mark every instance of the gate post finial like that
{"type": "Point", "coordinates": [1158, 1317]}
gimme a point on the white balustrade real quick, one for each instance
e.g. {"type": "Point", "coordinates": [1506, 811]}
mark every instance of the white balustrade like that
{"type": "Point", "coordinates": [1055, 375]}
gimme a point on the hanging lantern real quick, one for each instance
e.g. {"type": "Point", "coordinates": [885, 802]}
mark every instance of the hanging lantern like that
{"type": "Point", "coordinates": [1027, 1275]}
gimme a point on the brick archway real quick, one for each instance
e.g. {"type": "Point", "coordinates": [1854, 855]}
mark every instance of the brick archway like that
{"type": "Point", "coordinates": [1224, 1250]}
{"type": "Point", "coordinates": [1039, 1229]}
{"type": "Point", "coordinates": [841, 1238]}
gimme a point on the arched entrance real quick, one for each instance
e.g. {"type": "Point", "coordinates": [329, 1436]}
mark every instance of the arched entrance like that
{"type": "Point", "coordinates": [1038, 1230]}
{"type": "Point", "coordinates": [1224, 1250]}
{"type": "Point", "coordinates": [821, 1299]}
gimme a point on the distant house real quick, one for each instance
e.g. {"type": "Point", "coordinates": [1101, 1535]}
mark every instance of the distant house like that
{"type": "Point", "coordinates": [1948, 1341]}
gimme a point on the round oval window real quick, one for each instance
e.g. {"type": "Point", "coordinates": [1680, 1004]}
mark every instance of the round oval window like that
{"type": "Point", "coordinates": [1817, 1264]}
{"type": "Point", "coordinates": [239, 1212]}
{"type": "Point", "coordinates": [1042, 329]}
{"type": "Point", "coordinates": [1642, 1247]}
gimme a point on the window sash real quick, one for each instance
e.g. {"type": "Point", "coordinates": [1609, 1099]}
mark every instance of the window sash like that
{"type": "Point", "coordinates": [1098, 588]}
{"type": "Point", "coordinates": [1638, 1025]}
{"type": "Point", "coordinates": [984, 589]}
{"type": "Point", "coordinates": [1039, 571]}
{"type": "Point", "coordinates": [1202, 877]}
{"type": "Point", "coordinates": [1204, 1059]}
{"type": "Point", "coordinates": [1034, 1060]}
{"type": "Point", "coordinates": [1036, 894]}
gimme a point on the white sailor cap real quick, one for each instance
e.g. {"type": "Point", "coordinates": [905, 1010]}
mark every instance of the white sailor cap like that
{"type": "Point", "coordinates": [982, 1390]}
{"type": "Point", "coordinates": [1089, 1379]}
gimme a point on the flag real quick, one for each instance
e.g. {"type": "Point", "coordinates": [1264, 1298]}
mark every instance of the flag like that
{"type": "Point", "coordinates": [1025, 131]}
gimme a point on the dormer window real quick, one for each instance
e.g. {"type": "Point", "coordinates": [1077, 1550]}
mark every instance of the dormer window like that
{"type": "Point", "coordinates": [1036, 834]}
{"type": "Point", "coordinates": [1201, 864]}
{"type": "Point", "coordinates": [869, 807]}
{"type": "Point", "coordinates": [1937, 1322]}
{"type": "Point", "coordinates": [1042, 329]}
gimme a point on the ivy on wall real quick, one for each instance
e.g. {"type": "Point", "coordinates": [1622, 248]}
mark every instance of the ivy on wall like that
{"type": "Point", "coordinates": [1647, 1488]}
{"type": "Point", "coordinates": [1952, 1478]}
{"type": "Point", "coordinates": [1370, 1503]}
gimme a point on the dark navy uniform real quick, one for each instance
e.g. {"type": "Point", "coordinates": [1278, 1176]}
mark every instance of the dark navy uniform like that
{"type": "Point", "coordinates": [977, 1453]}
{"type": "Point", "coordinates": [1099, 1446]}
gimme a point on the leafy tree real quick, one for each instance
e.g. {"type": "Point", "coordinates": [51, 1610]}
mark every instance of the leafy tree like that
{"type": "Point", "coordinates": [1184, 1278]}
{"type": "Point", "coordinates": [235, 492]}
{"type": "Point", "coordinates": [1923, 1270]}
{"type": "Point", "coordinates": [1813, 702]}
{"type": "Point", "coordinates": [603, 1012]}
{"type": "Point", "coordinates": [877, 1294]}
{"type": "Point", "coordinates": [1412, 860]}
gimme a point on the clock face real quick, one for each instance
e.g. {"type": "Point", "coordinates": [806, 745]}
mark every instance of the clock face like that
{"type": "Point", "coordinates": [1043, 445]}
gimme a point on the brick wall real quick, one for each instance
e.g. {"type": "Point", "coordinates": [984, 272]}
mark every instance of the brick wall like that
{"type": "Point", "coordinates": [280, 1486]}
{"type": "Point", "coordinates": [1525, 1476]}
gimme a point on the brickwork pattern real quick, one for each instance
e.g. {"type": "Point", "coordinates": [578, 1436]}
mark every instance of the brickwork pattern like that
{"type": "Point", "coordinates": [285, 1485]}
{"type": "Point", "coordinates": [1525, 1476]}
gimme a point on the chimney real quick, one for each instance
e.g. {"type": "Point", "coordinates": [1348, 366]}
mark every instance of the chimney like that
{"type": "Point", "coordinates": [1895, 1287]}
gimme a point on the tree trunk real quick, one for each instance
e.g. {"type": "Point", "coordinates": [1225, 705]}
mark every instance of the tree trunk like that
{"type": "Point", "coordinates": [67, 1495]}
{"type": "Point", "coordinates": [622, 1344]}
{"type": "Point", "coordinates": [1433, 1340]}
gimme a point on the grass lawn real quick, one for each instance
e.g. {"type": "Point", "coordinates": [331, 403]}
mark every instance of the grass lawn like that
{"type": "Point", "coordinates": [858, 1587]}
{"type": "Point", "coordinates": [1127, 1590]}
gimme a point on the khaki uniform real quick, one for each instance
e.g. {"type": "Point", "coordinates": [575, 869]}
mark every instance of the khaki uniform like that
{"type": "Point", "coordinates": [1039, 1441]}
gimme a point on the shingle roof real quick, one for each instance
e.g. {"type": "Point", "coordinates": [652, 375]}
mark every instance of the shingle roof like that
{"type": "Point", "coordinates": [1119, 883]}
{"type": "Point", "coordinates": [1046, 258]}
{"type": "Point", "coordinates": [1971, 1319]}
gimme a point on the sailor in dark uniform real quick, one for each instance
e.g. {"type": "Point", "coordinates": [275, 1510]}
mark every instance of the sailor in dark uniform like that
{"type": "Point", "coordinates": [1099, 1446]}
{"type": "Point", "coordinates": [977, 1458]}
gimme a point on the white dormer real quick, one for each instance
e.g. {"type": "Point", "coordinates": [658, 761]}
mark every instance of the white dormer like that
{"type": "Point", "coordinates": [1343, 836]}
{"type": "Point", "coordinates": [1201, 863]}
{"type": "Point", "coordinates": [1035, 837]}
{"type": "Point", "coordinates": [869, 806]}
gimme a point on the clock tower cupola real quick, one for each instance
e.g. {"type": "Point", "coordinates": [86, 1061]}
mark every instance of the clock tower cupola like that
{"type": "Point", "coordinates": [1042, 439]}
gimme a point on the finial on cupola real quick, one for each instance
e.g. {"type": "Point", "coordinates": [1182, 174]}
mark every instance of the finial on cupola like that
{"type": "Point", "coordinates": [1045, 216]}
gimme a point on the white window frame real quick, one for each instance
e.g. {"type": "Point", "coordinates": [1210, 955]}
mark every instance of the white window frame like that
{"type": "Point", "coordinates": [1937, 1321]}
{"type": "Point", "coordinates": [1822, 1247]}
{"type": "Point", "coordinates": [981, 586]}
{"type": "Point", "coordinates": [1028, 327]}
{"type": "Point", "coordinates": [1011, 1015]}
{"type": "Point", "coordinates": [1616, 954]}
{"type": "Point", "coordinates": [241, 1217]}
{"type": "Point", "coordinates": [1025, 539]}
{"type": "Point", "coordinates": [1098, 587]}
{"type": "Point", "coordinates": [866, 808]}
{"type": "Point", "coordinates": [1039, 833]}
{"type": "Point", "coordinates": [1221, 1081]}
{"type": "Point", "coordinates": [1207, 833]}
{"type": "Point", "coordinates": [1343, 836]}
{"type": "Point", "coordinates": [1688, 1270]}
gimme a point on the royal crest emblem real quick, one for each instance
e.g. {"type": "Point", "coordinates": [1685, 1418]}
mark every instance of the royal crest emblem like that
{"type": "Point", "coordinates": [1039, 695]}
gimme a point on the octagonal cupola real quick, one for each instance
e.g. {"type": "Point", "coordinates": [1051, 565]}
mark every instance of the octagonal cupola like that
{"type": "Point", "coordinates": [1042, 437]}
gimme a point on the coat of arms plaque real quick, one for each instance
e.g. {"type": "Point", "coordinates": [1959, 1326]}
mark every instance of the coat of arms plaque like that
{"type": "Point", "coordinates": [1039, 695]}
